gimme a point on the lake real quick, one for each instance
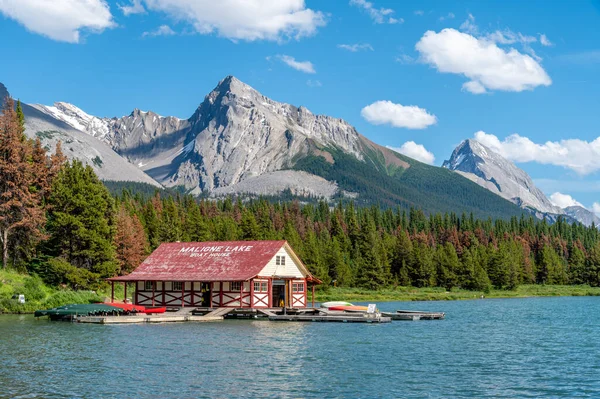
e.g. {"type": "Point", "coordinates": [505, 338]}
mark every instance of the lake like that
{"type": "Point", "coordinates": [512, 348]}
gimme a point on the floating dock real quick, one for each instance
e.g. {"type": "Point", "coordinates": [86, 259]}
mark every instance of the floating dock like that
{"type": "Point", "coordinates": [145, 319]}
{"type": "Point", "coordinates": [414, 315]}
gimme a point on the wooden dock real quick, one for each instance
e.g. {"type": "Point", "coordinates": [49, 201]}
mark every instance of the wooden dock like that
{"type": "Point", "coordinates": [146, 319]}
{"type": "Point", "coordinates": [339, 318]}
{"type": "Point", "coordinates": [414, 315]}
{"type": "Point", "coordinates": [272, 314]}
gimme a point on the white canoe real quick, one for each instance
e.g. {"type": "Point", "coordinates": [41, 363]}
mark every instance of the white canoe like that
{"type": "Point", "coordinates": [327, 305]}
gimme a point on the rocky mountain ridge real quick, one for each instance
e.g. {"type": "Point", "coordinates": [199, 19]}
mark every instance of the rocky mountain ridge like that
{"type": "Point", "coordinates": [492, 171]}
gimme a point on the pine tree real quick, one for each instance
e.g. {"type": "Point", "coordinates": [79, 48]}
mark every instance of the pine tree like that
{"type": "Point", "coordinates": [81, 221]}
{"type": "Point", "coordinates": [20, 202]}
{"type": "Point", "coordinates": [130, 241]}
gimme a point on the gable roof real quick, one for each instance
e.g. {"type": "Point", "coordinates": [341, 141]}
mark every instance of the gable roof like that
{"type": "Point", "coordinates": [205, 261]}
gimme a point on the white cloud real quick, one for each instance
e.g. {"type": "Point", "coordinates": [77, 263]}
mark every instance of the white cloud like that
{"type": "Point", "coordinates": [545, 41]}
{"type": "Point", "coordinates": [486, 65]}
{"type": "Point", "coordinates": [405, 59]}
{"type": "Point", "coordinates": [415, 151]}
{"type": "Point", "coordinates": [564, 200]}
{"type": "Point", "coordinates": [135, 7]}
{"type": "Point", "coordinates": [581, 156]}
{"type": "Point", "coordinates": [356, 47]}
{"type": "Point", "coordinates": [419, 12]}
{"type": "Point", "coordinates": [448, 16]}
{"type": "Point", "coordinates": [249, 20]}
{"type": "Point", "coordinates": [596, 208]}
{"type": "Point", "coordinates": [397, 115]}
{"type": "Point", "coordinates": [469, 25]}
{"type": "Point", "coordinates": [509, 37]}
{"type": "Point", "coordinates": [163, 30]}
{"type": "Point", "coordinates": [302, 66]}
{"type": "Point", "coordinates": [62, 20]}
{"type": "Point", "coordinates": [314, 83]}
{"type": "Point", "coordinates": [378, 15]}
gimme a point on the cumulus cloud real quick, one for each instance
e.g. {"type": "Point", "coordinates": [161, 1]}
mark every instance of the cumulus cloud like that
{"type": "Point", "coordinates": [302, 66]}
{"type": "Point", "coordinates": [398, 115]}
{"type": "Point", "coordinates": [581, 156]}
{"type": "Point", "coordinates": [487, 66]}
{"type": "Point", "coordinates": [314, 83]}
{"type": "Point", "coordinates": [564, 200]}
{"type": "Point", "coordinates": [596, 208]}
{"type": "Point", "coordinates": [60, 20]}
{"type": "Point", "coordinates": [378, 15]}
{"type": "Point", "coordinates": [415, 151]}
{"type": "Point", "coordinates": [248, 20]}
{"type": "Point", "coordinates": [135, 7]}
{"type": "Point", "coordinates": [545, 41]}
{"type": "Point", "coordinates": [356, 47]}
{"type": "Point", "coordinates": [163, 30]}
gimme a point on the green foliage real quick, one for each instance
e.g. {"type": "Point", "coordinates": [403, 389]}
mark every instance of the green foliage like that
{"type": "Point", "coordinates": [81, 220]}
{"type": "Point", "coordinates": [430, 188]}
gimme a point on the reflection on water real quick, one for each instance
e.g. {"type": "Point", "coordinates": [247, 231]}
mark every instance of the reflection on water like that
{"type": "Point", "coordinates": [540, 347]}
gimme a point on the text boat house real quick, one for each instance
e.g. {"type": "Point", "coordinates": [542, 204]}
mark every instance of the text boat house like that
{"type": "Point", "coordinates": [238, 274]}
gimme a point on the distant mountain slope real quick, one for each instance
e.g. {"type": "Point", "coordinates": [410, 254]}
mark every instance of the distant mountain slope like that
{"type": "Point", "coordinates": [489, 169]}
{"type": "Point", "coordinates": [582, 215]}
{"type": "Point", "coordinates": [239, 141]}
{"type": "Point", "coordinates": [107, 164]}
{"type": "Point", "coordinates": [494, 172]}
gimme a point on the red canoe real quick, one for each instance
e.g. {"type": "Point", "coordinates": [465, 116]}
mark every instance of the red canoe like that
{"type": "Point", "coordinates": [137, 308]}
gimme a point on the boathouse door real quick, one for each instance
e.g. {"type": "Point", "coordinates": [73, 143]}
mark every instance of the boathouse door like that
{"type": "Point", "coordinates": [279, 293]}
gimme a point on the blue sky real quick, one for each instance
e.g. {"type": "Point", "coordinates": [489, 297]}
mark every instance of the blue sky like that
{"type": "Point", "coordinates": [536, 62]}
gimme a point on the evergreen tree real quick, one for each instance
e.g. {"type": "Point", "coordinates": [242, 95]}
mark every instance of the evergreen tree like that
{"type": "Point", "coordinates": [81, 221]}
{"type": "Point", "coordinates": [20, 203]}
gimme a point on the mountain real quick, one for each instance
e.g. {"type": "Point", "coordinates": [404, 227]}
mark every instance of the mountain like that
{"type": "Point", "coordinates": [489, 169]}
{"type": "Point", "coordinates": [582, 215]}
{"type": "Point", "coordinates": [238, 141]}
{"type": "Point", "coordinates": [107, 164]}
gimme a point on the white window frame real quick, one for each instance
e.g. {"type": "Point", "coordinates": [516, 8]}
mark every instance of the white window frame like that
{"type": "Point", "coordinates": [296, 288]}
{"type": "Point", "coordinates": [280, 260]}
{"type": "Point", "coordinates": [262, 286]}
{"type": "Point", "coordinates": [177, 286]}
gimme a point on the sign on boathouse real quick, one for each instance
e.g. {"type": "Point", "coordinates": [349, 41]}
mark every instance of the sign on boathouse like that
{"type": "Point", "coordinates": [250, 274]}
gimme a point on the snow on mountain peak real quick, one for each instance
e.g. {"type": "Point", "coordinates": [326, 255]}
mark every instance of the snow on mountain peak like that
{"type": "Point", "coordinates": [499, 175]}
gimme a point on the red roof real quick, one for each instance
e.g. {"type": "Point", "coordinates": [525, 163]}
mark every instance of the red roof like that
{"type": "Point", "coordinates": [205, 261]}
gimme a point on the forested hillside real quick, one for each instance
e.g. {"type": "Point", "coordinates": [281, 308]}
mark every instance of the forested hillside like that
{"type": "Point", "coordinates": [59, 221]}
{"type": "Point", "coordinates": [426, 187]}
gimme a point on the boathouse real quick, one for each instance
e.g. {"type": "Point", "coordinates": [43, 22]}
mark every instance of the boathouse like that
{"type": "Point", "coordinates": [236, 274]}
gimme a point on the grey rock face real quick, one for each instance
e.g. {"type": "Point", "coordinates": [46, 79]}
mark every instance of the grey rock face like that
{"type": "Point", "coordinates": [107, 164]}
{"type": "Point", "coordinates": [235, 134]}
{"type": "Point", "coordinates": [582, 215]}
{"type": "Point", "coordinates": [3, 94]}
{"type": "Point", "coordinates": [480, 164]}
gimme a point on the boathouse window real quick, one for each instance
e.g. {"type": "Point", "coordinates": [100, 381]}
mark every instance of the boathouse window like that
{"type": "Point", "coordinates": [236, 286]}
{"type": "Point", "coordinates": [148, 286]}
{"type": "Point", "coordinates": [260, 286]}
{"type": "Point", "coordinates": [280, 260]}
{"type": "Point", "coordinates": [297, 287]}
{"type": "Point", "coordinates": [177, 285]}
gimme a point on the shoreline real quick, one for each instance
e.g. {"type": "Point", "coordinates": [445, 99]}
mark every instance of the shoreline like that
{"type": "Point", "coordinates": [411, 294]}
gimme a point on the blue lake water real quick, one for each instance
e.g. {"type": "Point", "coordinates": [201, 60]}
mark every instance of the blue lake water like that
{"type": "Point", "coordinates": [500, 348]}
